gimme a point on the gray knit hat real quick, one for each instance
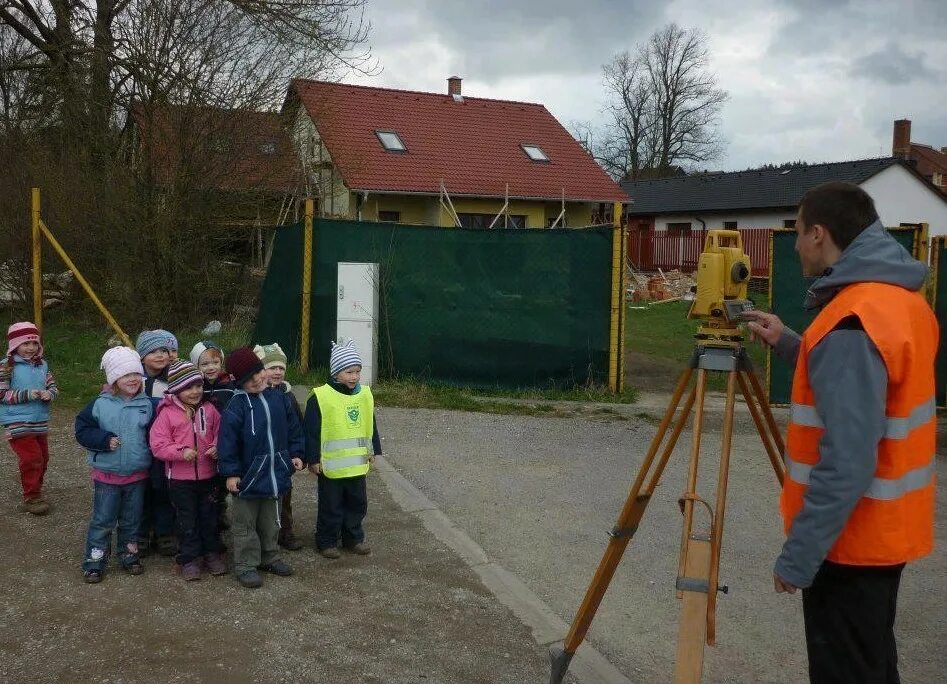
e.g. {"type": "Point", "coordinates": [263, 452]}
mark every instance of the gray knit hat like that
{"type": "Point", "coordinates": [343, 356]}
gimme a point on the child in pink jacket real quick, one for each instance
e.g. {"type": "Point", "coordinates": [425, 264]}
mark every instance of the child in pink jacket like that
{"type": "Point", "coordinates": [184, 436]}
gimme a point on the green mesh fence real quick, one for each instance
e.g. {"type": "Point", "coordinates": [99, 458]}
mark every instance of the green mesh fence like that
{"type": "Point", "coordinates": [939, 266]}
{"type": "Point", "coordinates": [787, 292]}
{"type": "Point", "coordinates": [511, 308]}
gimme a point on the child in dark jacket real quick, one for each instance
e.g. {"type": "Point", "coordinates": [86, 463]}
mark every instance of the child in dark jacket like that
{"type": "Point", "coordinates": [274, 363]}
{"type": "Point", "coordinates": [114, 429]}
{"type": "Point", "coordinates": [184, 436]}
{"type": "Point", "coordinates": [259, 448]}
{"type": "Point", "coordinates": [155, 348]}
{"type": "Point", "coordinates": [26, 390]}
{"type": "Point", "coordinates": [341, 443]}
{"type": "Point", "coordinates": [219, 388]}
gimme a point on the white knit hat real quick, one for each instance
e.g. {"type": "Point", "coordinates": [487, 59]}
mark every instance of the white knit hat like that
{"type": "Point", "coordinates": [343, 356]}
{"type": "Point", "coordinates": [119, 361]}
{"type": "Point", "coordinates": [202, 347]}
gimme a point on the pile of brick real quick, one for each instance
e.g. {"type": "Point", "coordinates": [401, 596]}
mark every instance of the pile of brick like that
{"type": "Point", "coordinates": [658, 287]}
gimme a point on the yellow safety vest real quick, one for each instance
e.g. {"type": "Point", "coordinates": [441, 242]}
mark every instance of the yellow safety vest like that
{"type": "Point", "coordinates": [347, 427]}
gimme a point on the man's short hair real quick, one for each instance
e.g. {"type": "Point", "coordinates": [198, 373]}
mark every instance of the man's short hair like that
{"type": "Point", "coordinates": [843, 208]}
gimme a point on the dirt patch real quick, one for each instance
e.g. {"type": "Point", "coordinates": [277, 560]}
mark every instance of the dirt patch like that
{"type": "Point", "coordinates": [412, 612]}
{"type": "Point", "coordinates": [651, 373]}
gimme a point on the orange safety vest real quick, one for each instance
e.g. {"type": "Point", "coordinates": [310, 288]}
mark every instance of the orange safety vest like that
{"type": "Point", "coordinates": [893, 522]}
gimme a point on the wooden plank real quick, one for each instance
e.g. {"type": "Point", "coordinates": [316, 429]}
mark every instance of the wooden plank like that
{"type": "Point", "coordinates": [692, 628]}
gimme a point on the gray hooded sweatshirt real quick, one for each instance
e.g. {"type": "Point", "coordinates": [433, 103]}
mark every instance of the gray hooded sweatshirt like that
{"type": "Point", "coordinates": [850, 383]}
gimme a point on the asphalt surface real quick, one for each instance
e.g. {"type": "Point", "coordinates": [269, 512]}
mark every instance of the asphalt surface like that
{"type": "Point", "coordinates": [539, 493]}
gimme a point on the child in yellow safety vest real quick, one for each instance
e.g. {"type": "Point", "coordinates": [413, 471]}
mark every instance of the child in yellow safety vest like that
{"type": "Point", "coordinates": [341, 444]}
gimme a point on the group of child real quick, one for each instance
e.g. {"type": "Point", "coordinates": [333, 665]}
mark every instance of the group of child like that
{"type": "Point", "coordinates": [168, 439]}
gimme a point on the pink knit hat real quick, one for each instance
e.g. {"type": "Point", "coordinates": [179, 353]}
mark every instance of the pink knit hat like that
{"type": "Point", "coordinates": [119, 361]}
{"type": "Point", "coordinates": [22, 332]}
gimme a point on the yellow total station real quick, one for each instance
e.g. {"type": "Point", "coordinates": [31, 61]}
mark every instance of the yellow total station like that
{"type": "Point", "coordinates": [723, 273]}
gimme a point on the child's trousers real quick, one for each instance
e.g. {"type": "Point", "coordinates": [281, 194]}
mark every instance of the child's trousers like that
{"type": "Point", "coordinates": [342, 505]}
{"type": "Point", "coordinates": [111, 505]}
{"type": "Point", "coordinates": [195, 518]}
{"type": "Point", "coordinates": [32, 451]}
{"type": "Point", "coordinates": [254, 526]}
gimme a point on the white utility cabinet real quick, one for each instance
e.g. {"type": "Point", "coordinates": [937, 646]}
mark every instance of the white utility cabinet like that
{"type": "Point", "coordinates": [357, 313]}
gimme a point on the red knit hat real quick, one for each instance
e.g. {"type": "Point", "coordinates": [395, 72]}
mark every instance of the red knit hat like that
{"type": "Point", "coordinates": [20, 333]}
{"type": "Point", "coordinates": [242, 364]}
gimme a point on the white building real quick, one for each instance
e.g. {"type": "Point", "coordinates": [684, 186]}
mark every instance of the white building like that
{"type": "Point", "coordinates": [768, 198]}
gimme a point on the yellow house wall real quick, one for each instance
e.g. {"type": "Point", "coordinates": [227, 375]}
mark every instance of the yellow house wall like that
{"type": "Point", "coordinates": [426, 210]}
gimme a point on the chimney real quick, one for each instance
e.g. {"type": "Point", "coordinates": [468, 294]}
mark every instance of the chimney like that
{"type": "Point", "coordinates": [453, 86]}
{"type": "Point", "coordinates": [901, 144]}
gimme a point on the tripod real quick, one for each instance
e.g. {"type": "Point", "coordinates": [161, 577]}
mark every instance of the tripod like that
{"type": "Point", "coordinates": [718, 349]}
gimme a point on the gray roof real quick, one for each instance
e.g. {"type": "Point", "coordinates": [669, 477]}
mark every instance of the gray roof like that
{"type": "Point", "coordinates": [741, 190]}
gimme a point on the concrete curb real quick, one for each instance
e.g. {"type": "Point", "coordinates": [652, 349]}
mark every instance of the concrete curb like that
{"type": "Point", "coordinates": [588, 666]}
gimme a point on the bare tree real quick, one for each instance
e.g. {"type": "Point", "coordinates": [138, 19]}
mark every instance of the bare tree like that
{"type": "Point", "coordinates": [662, 107]}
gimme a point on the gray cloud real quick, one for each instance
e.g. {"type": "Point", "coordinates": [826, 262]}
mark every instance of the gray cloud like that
{"type": "Point", "coordinates": [893, 65]}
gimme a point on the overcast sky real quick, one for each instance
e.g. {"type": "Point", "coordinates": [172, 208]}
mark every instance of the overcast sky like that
{"type": "Point", "coordinates": [819, 80]}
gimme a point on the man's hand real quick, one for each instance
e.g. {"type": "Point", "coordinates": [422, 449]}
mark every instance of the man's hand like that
{"type": "Point", "coordinates": [371, 459]}
{"type": "Point", "coordinates": [232, 483]}
{"type": "Point", "coordinates": [315, 468]}
{"type": "Point", "coordinates": [764, 327]}
{"type": "Point", "coordinates": [189, 454]}
{"type": "Point", "coordinates": [297, 464]}
{"type": "Point", "coordinates": [782, 586]}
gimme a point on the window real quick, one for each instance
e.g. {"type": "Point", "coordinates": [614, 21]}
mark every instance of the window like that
{"type": "Point", "coordinates": [484, 220]}
{"type": "Point", "coordinates": [390, 141]}
{"type": "Point", "coordinates": [679, 227]}
{"type": "Point", "coordinates": [269, 147]}
{"type": "Point", "coordinates": [789, 223]}
{"type": "Point", "coordinates": [534, 153]}
{"type": "Point", "coordinates": [389, 216]}
{"type": "Point", "coordinates": [729, 225]}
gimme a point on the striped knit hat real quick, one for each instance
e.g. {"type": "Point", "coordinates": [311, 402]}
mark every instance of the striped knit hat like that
{"type": "Point", "coordinates": [181, 375]}
{"type": "Point", "coordinates": [20, 333]}
{"type": "Point", "coordinates": [149, 340]}
{"type": "Point", "coordinates": [343, 356]}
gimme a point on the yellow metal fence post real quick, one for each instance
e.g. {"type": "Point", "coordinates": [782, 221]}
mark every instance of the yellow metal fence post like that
{"type": "Point", "coordinates": [306, 289]}
{"type": "Point", "coordinates": [37, 261]}
{"type": "Point", "coordinates": [616, 318]}
{"type": "Point", "coordinates": [85, 285]}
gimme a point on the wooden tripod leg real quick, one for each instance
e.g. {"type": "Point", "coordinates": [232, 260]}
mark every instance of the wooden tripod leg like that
{"type": "Point", "coordinates": [693, 569]}
{"type": "Point", "coordinates": [767, 413]}
{"type": "Point", "coordinates": [627, 523]}
{"type": "Point", "coordinates": [765, 435]}
{"type": "Point", "coordinates": [720, 507]}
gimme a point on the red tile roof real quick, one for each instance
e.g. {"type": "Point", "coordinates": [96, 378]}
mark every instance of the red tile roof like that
{"type": "Point", "coordinates": [473, 145]}
{"type": "Point", "coordinates": [929, 160]}
{"type": "Point", "coordinates": [224, 149]}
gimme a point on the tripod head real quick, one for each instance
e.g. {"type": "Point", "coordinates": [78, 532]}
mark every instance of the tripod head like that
{"type": "Point", "coordinates": [723, 273]}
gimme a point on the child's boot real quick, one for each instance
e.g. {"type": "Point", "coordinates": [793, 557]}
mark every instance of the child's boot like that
{"type": "Point", "coordinates": [191, 571]}
{"type": "Point", "coordinates": [288, 540]}
{"type": "Point", "coordinates": [215, 564]}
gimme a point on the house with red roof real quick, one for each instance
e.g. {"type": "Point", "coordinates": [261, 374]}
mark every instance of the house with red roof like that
{"type": "Point", "coordinates": [380, 154]}
{"type": "Point", "coordinates": [929, 161]}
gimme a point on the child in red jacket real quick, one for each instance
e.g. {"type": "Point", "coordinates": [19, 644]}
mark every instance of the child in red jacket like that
{"type": "Point", "coordinates": [184, 436]}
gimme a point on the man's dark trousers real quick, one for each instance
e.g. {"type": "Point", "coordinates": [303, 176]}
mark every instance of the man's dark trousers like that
{"type": "Point", "coordinates": [343, 503]}
{"type": "Point", "coordinates": [849, 613]}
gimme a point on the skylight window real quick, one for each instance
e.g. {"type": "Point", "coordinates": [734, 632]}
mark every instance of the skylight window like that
{"type": "Point", "coordinates": [390, 141]}
{"type": "Point", "coordinates": [535, 153]}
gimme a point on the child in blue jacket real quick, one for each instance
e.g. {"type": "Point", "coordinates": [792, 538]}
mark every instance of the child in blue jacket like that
{"type": "Point", "coordinates": [114, 429]}
{"type": "Point", "coordinates": [259, 447]}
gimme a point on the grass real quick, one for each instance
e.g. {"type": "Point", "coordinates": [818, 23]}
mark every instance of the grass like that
{"type": "Point", "coordinates": [664, 331]}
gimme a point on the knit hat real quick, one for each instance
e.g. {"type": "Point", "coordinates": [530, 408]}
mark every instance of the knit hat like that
{"type": "Point", "coordinates": [271, 355]}
{"type": "Point", "coordinates": [20, 333]}
{"type": "Point", "coordinates": [242, 363]}
{"type": "Point", "coordinates": [202, 347]}
{"type": "Point", "coordinates": [149, 340]}
{"type": "Point", "coordinates": [343, 356]}
{"type": "Point", "coordinates": [119, 361]}
{"type": "Point", "coordinates": [181, 375]}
